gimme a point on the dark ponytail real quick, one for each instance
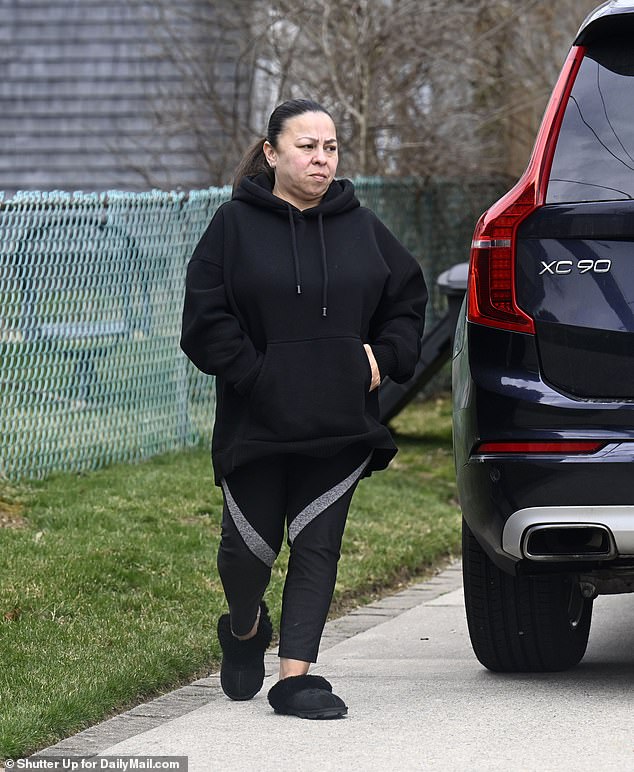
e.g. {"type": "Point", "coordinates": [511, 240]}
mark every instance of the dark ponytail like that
{"type": "Point", "coordinates": [254, 161]}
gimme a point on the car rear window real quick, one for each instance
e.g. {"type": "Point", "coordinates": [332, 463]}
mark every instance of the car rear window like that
{"type": "Point", "coordinates": [594, 157]}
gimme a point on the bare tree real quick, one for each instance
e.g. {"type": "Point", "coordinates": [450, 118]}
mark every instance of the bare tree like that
{"type": "Point", "coordinates": [517, 54]}
{"type": "Point", "coordinates": [418, 87]}
{"type": "Point", "coordinates": [212, 48]}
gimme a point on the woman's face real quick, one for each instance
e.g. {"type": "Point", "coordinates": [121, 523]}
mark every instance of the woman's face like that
{"type": "Point", "coordinates": [305, 160]}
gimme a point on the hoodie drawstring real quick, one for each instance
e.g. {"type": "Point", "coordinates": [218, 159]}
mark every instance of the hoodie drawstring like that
{"type": "Point", "coordinates": [298, 278]}
{"type": "Point", "coordinates": [324, 262]}
{"type": "Point", "coordinates": [324, 265]}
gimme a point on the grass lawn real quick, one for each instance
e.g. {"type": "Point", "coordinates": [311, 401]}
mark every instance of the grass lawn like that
{"type": "Point", "coordinates": [109, 593]}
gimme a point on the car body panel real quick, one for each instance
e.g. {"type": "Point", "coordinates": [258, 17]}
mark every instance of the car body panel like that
{"type": "Point", "coordinates": [580, 292]}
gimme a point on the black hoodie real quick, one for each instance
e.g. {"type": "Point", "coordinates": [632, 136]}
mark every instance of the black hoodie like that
{"type": "Point", "coordinates": [278, 305]}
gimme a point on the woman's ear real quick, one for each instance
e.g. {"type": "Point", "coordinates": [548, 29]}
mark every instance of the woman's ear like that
{"type": "Point", "coordinates": [269, 153]}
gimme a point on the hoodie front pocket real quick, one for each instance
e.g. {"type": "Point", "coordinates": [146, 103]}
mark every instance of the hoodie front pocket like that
{"type": "Point", "coordinates": [311, 388]}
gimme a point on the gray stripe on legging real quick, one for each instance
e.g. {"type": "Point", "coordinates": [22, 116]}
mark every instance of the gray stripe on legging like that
{"type": "Point", "coordinates": [320, 504]}
{"type": "Point", "coordinates": [251, 537]}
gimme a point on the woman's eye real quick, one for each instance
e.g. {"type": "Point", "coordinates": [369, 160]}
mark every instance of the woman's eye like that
{"type": "Point", "coordinates": [311, 147]}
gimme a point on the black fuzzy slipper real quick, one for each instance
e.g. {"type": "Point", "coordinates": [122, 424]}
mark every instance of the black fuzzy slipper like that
{"type": "Point", "coordinates": [242, 669]}
{"type": "Point", "coordinates": [306, 696]}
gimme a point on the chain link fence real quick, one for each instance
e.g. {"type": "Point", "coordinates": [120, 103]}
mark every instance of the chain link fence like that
{"type": "Point", "coordinates": [91, 290]}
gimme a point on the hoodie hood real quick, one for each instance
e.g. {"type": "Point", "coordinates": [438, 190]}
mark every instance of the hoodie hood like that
{"type": "Point", "coordinates": [339, 198]}
{"type": "Point", "coordinates": [257, 190]}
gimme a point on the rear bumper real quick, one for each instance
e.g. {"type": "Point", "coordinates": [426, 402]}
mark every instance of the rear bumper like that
{"type": "Point", "coordinates": [503, 498]}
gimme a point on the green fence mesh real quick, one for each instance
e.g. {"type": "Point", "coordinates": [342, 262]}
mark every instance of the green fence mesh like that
{"type": "Point", "coordinates": [91, 289]}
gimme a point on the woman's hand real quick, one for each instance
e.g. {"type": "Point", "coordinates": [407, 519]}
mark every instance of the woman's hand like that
{"type": "Point", "coordinates": [376, 375]}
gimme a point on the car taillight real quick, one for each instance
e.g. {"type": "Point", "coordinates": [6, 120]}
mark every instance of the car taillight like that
{"type": "Point", "coordinates": [564, 447]}
{"type": "Point", "coordinates": [492, 299]}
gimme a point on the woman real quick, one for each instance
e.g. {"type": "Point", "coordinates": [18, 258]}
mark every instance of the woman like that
{"type": "Point", "coordinates": [299, 301]}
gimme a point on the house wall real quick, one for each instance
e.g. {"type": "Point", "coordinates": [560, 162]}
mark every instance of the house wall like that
{"type": "Point", "coordinates": [92, 96]}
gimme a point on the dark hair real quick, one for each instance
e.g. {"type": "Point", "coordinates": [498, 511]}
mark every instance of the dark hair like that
{"type": "Point", "coordinates": [254, 161]}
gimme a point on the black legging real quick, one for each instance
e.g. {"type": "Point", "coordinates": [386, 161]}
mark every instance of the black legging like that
{"type": "Point", "coordinates": [313, 495]}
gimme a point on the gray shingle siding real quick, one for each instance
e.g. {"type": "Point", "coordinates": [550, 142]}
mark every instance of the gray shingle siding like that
{"type": "Point", "coordinates": [81, 85]}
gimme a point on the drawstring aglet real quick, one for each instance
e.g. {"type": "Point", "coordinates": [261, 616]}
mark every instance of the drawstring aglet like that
{"type": "Point", "coordinates": [299, 289]}
{"type": "Point", "coordinates": [324, 311]}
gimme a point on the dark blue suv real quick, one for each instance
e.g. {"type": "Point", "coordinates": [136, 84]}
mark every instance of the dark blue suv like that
{"type": "Point", "coordinates": [543, 371]}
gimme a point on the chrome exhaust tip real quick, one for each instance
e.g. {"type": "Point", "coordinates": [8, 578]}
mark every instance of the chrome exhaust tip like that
{"type": "Point", "coordinates": [568, 542]}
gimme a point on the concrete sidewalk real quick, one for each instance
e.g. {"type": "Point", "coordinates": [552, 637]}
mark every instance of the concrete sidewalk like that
{"type": "Point", "coordinates": [418, 700]}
